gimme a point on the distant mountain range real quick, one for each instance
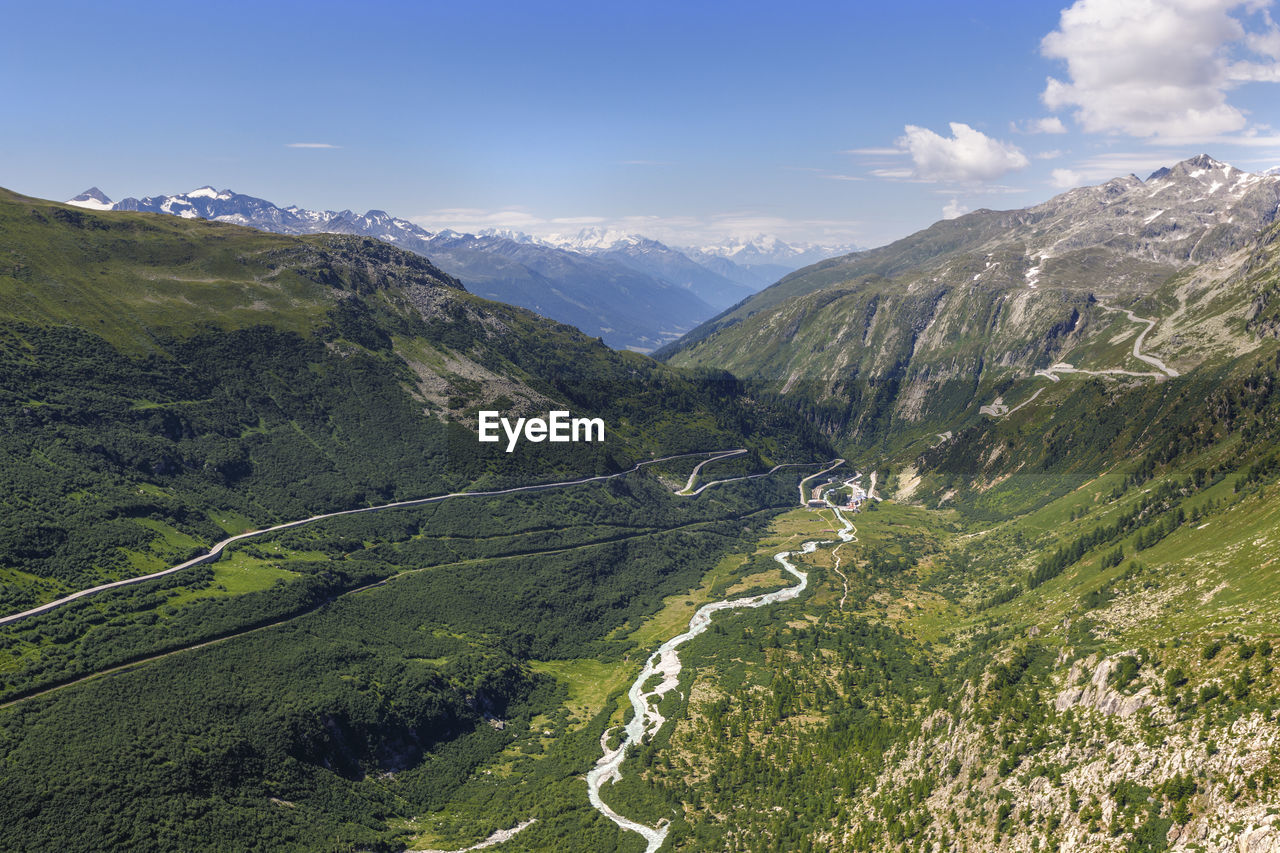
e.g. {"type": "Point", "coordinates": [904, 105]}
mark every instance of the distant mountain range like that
{"type": "Point", "coordinates": [632, 291]}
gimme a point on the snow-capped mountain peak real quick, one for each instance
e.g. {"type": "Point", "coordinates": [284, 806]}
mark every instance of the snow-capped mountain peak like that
{"type": "Point", "coordinates": [93, 199]}
{"type": "Point", "coordinates": [210, 192]}
{"type": "Point", "coordinates": [700, 281]}
{"type": "Point", "coordinates": [762, 249]}
{"type": "Point", "coordinates": [763, 244]}
{"type": "Point", "coordinates": [1186, 212]}
{"type": "Point", "coordinates": [593, 238]}
{"type": "Point", "coordinates": [507, 234]}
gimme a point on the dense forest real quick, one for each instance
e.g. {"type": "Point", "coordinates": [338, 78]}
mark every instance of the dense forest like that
{"type": "Point", "coordinates": [316, 710]}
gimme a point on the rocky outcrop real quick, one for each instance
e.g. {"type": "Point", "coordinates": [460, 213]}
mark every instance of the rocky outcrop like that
{"type": "Point", "coordinates": [1098, 693]}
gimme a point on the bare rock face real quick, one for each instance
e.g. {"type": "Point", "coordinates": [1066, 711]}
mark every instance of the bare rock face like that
{"type": "Point", "coordinates": [1195, 210]}
{"type": "Point", "coordinates": [1249, 831]}
{"type": "Point", "coordinates": [1260, 840]}
{"type": "Point", "coordinates": [1098, 693]}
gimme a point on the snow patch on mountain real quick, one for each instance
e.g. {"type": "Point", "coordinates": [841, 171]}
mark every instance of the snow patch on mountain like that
{"type": "Point", "coordinates": [768, 249]}
{"type": "Point", "coordinates": [1167, 218]}
{"type": "Point", "coordinates": [592, 239]}
{"type": "Point", "coordinates": [93, 199]}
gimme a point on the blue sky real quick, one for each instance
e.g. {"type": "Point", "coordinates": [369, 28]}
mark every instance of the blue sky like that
{"type": "Point", "coordinates": [831, 122]}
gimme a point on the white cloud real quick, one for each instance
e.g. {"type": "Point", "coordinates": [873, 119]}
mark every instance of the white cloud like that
{"type": "Point", "coordinates": [984, 189]}
{"type": "Point", "coordinates": [1158, 68]}
{"type": "Point", "coordinates": [1052, 124]}
{"type": "Point", "coordinates": [895, 174]}
{"type": "Point", "coordinates": [1204, 144]}
{"type": "Point", "coordinates": [1112, 164]}
{"type": "Point", "coordinates": [1267, 42]}
{"type": "Point", "coordinates": [1258, 164]}
{"type": "Point", "coordinates": [1256, 72]}
{"type": "Point", "coordinates": [1065, 179]}
{"type": "Point", "coordinates": [581, 221]}
{"type": "Point", "coordinates": [967, 155]}
{"type": "Point", "coordinates": [1048, 155]}
{"type": "Point", "coordinates": [469, 219]}
{"type": "Point", "coordinates": [825, 174]}
{"type": "Point", "coordinates": [953, 208]}
{"type": "Point", "coordinates": [310, 145]}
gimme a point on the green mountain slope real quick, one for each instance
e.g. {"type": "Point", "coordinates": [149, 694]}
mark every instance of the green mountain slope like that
{"type": "Point", "coordinates": [1074, 651]}
{"type": "Point", "coordinates": [167, 382]}
{"type": "Point", "coordinates": [205, 378]}
{"type": "Point", "coordinates": [1058, 634]}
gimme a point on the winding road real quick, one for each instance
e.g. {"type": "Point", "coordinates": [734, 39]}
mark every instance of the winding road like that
{"type": "Point", "coordinates": [1137, 344]}
{"type": "Point", "coordinates": [998, 409]}
{"type": "Point", "coordinates": [835, 463]}
{"type": "Point", "coordinates": [214, 552]}
{"type": "Point", "coordinates": [665, 663]}
{"type": "Point", "coordinates": [133, 664]}
{"type": "Point", "coordinates": [706, 486]}
{"type": "Point", "coordinates": [693, 475]}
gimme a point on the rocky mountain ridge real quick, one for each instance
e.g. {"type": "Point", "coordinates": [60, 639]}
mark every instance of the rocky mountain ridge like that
{"type": "Point", "coordinates": [928, 329]}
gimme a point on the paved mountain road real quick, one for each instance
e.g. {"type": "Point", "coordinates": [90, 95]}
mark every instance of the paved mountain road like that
{"type": "Point", "coordinates": [693, 475]}
{"type": "Point", "coordinates": [214, 552]}
{"type": "Point", "coordinates": [998, 409]}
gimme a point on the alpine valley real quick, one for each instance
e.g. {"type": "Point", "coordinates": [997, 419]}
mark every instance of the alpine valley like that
{"type": "Point", "coordinates": [1025, 597]}
{"type": "Point", "coordinates": [629, 290]}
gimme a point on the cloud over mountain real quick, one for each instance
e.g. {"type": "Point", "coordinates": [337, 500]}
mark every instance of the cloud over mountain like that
{"type": "Point", "coordinates": [1159, 69]}
{"type": "Point", "coordinates": [967, 155]}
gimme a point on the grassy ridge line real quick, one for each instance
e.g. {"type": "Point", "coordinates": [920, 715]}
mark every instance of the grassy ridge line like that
{"type": "Point", "coordinates": [124, 275]}
{"type": "Point", "coordinates": [217, 549]}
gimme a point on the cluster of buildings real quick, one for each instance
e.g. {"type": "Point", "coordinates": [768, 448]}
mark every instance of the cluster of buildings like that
{"type": "Point", "coordinates": [857, 495]}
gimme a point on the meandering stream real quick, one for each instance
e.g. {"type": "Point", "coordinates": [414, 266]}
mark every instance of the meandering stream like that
{"type": "Point", "coordinates": [665, 662]}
